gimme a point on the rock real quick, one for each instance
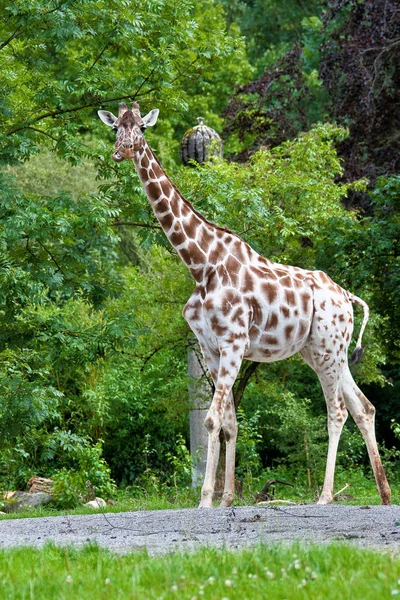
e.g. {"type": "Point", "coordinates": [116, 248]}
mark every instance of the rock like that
{"type": "Point", "coordinates": [96, 503]}
{"type": "Point", "coordinates": [20, 500]}
{"type": "Point", "coordinates": [8, 495]}
{"type": "Point", "coordinates": [40, 484]}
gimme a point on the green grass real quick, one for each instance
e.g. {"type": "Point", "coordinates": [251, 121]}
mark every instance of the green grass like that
{"type": "Point", "coordinates": [326, 572]}
{"type": "Point", "coordinates": [362, 491]}
{"type": "Point", "coordinates": [126, 501]}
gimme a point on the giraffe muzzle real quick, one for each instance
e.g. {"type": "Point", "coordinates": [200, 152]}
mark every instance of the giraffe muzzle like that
{"type": "Point", "coordinates": [124, 151]}
{"type": "Point", "coordinates": [117, 157]}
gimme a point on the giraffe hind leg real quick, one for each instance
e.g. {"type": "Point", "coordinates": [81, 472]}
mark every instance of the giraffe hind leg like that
{"type": "Point", "coordinates": [363, 413]}
{"type": "Point", "coordinates": [328, 373]}
{"type": "Point", "coordinates": [337, 415]}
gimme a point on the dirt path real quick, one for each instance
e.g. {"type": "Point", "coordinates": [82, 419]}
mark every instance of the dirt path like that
{"type": "Point", "coordinates": [168, 530]}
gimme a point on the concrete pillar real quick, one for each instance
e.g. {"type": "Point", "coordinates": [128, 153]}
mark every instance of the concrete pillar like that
{"type": "Point", "coordinates": [200, 397]}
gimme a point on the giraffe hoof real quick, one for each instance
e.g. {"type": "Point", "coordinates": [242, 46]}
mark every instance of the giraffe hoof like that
{"type": "Point", "coordinates": [325, 499]}
{"type": "Point", "coordinates": [227, 500]}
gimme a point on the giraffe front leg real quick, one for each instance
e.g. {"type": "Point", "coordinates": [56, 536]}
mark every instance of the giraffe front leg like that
{"type": "Point", "coordinates": [229, 427]}
{"type": "Point", "coordinates": [217, 417]}
{"type": "Point", "coordinates": [213, 423]}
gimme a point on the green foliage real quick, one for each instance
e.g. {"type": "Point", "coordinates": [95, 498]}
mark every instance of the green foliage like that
{"type": "Point", "coordinates": [87, 473]}
{"type": "Point", "coordinates": [360, 72]}
{"type": "Point", "coordinates": [286, 99]}
{"type": "Point", "coordinates": [92, 342]}
{"type": "Point", "coordinates": [248, 446]}
{"type": "Point", "coordinates": [146, 388]}
{"type": "Point", "coordinates": [391, 455]}
{"type": "Point", "coordinates": [58, 267]}
{"type": "Point", "coordinates": [46, 174]}
{"type": "Point", "coordinates": [290, 433]}
{"type": "Point", "coordinates": [270, 28]}
{"type": "Point", "coordinates": [375, 250]}
{"type": "Point", "coordinates": [182, 464]}
{"type": "Point", "coordinates": [281, 197]}
{"type": "Point", "coordinates": [61, 61]}
{"type": "Point", "coordinates": [396, 429]}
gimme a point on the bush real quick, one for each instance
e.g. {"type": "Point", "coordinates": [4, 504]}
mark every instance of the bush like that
{"type": "Point", "coordinates": [86, 476]}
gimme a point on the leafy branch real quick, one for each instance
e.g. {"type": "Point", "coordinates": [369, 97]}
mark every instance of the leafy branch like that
{"type": "Point", "coordinates": [51, 256]}
{"type": "Point", "coordinates": [10, 39]}
{"type": "Point", "coordinates": [135, 224]}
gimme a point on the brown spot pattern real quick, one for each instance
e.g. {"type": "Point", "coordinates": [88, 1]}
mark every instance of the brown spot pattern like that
{"type": "Point", "coordinates": [232, 297]}
{"type": "Point", "coordinates": [162, 206]}
{"type": "Point", "coordinates": [205, 237]}
{"type": "Point", "coordinates": [272, 322]}
{"type": "Point", "coordinates": [216, 253]}
{"type": "Point", "coordinates": [197, 255]}
{"type": "Point", "coordinates": [166, 221]}
{"type": "Point", "coordinates": [270, 291]}
{"type": "Point", "coordinates": [166, 187]}
{"type": "Point", "coordinates": [248, 283]}
{"type": "Point", "coordinates": [290, 297]}
{"type": "Point", "coordinates": [175, 207]}
{"type": "Point", "coordinates": [154, 190]}
{"type": "Point", "coordinates": [185, 210]}
{"type": "Point", "coordinates": [288, 331]}
{"type": "Point", "coordinates": [302, 328]}
{"type": "Point", "coordinates": [217, 327]}
{"type": "Point", "coordinates": [286, 282]}
{"type": "Point", "coordinates": [233, 265]}
{"type": "Point", "coordinates": [305, 300]}
{"type": "Point", "coordinates": [270, 340]}
{"type": "Point", "coordinates": [176, 238]}
{"type": "Point", "coordinates": [285, 311]}
{"type": "Point", "coordinates": [237, 317]}
{"type": "Point", "coordinates": [238, 251]}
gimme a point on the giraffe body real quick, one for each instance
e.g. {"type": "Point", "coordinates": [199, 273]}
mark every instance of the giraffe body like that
{"type": "Point", "coordinates": [247, 307]}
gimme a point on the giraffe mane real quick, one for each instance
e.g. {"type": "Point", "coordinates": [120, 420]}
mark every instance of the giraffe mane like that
{"type": "Point", "coordinates": [190, 205]}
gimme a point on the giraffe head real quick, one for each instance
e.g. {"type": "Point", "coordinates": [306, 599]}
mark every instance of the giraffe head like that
{"type": "Point", "coordinates": [129, 127]}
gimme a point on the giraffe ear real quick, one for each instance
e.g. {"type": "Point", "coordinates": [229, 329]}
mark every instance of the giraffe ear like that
{"type": "Point", "coordinates": [107, 117]}
{"type": "Point", "coordinates": [151, 118]}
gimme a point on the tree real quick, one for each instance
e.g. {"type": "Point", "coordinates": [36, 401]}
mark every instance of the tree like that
{"type": "Point", "coordinates": [62, 60]}
{"type": "Point", "coordinates": [341, 65]}
{"type": "Point", "coordinates": [360, 60]}
{"type": "Point", "coordinates": [93, 349]}
{"type": "Point", "coordinates": [62, 261]}
{"type": "Point", "coordinates": [288, 97]}
{"type": "Point", "coordinates": [271, 28]}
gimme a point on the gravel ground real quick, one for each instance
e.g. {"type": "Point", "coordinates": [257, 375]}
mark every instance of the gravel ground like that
{"type": "Point", "coordinates": [164, 531]}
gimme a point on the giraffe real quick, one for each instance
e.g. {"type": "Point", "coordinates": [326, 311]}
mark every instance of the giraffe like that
{"type": "Point", "coordinates": [247, 307]}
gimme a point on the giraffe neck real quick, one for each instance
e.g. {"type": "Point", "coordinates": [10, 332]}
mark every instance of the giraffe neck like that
{"type": "Point", "coordinates": [200, 244]}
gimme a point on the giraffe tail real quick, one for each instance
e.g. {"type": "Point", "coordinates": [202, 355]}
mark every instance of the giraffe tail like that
{"type": "Point", "coordinates": [358, 352]}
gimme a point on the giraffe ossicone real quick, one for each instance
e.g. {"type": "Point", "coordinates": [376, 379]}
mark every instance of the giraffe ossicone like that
{"type": "Point", "coordinates": [247, 307]}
